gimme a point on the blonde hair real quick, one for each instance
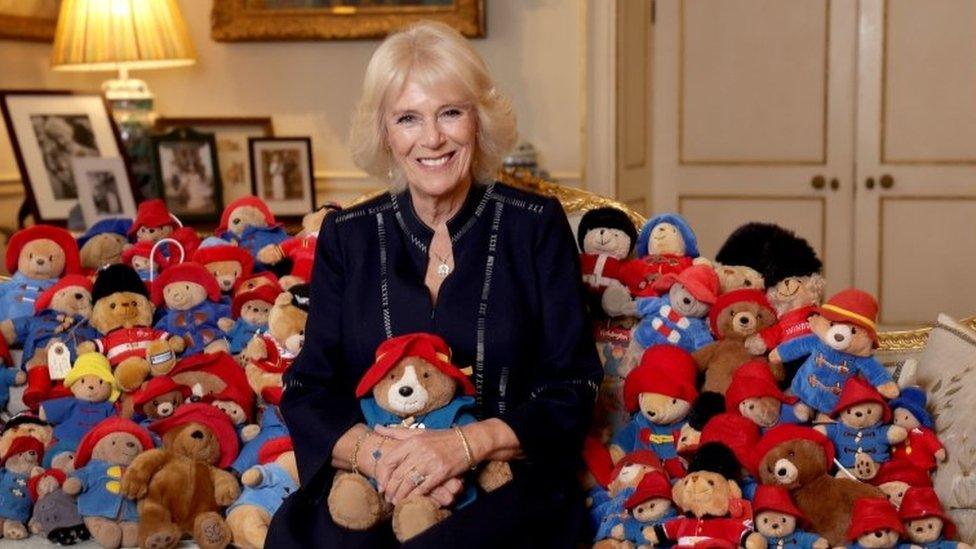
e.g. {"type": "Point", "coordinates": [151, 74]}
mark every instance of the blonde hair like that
{"type": "Point", "coordinates": [430, 53]}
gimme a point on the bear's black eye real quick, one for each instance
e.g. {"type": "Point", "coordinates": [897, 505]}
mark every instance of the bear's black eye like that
{"type": "Point", "coordinates": [783, 520]}
{"type": "Point", "coordinates": [674, 401]}
{"type": "Point", "coordinates": [869, 411]}
{"type": "Point", "coordinates": [751, 406]}
{"type": "Point", "coordinates": [51, 258]}
{"type": "Point", "coordinates": [711, 483]}
{"type": "Point", "coordinates": [831, 324]}
{"type": "Point", "coordinates": [236, 221]}
{"type": "Point", "coordinates": [111, 306]}
{"type": "Point", "coordinates": [748, 283]}
{"type": "Point", "coordinates": [392, 376]}
{"type": "Point", "coordinates": [853, 330]}
{"type": "Point", "coordinates": [426, 374]}
{"type": "Point", "coordinates": [133, 303]}
{"type": "Point", "coordinates": [792, 454]}
{"type": "Point", "coordinates": [765, 520]}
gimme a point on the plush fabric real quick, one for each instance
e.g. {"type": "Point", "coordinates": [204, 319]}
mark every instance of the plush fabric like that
{"type": "Point", "coordinates": [17, 295]}
{"type": "Point", "coordinates": [15, 502]}
{"type": "Point", "coordinates": [276, 484]}
{"type": "Point", "coordinates": [100, 496]}
{"type": "Point", "coordinates": [73, 418]}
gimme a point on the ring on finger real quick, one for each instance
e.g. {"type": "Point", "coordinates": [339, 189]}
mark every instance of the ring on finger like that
{"type": "Point", "coordinates": [417, 478]}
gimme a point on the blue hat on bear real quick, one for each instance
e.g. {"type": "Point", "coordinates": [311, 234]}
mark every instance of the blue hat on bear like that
{"type": "Point", "coordinates": [691, 243]}
{"type": "Point", "coordinates": [117, 225]}
{"type": "Point", "coordinates": [913, 399]}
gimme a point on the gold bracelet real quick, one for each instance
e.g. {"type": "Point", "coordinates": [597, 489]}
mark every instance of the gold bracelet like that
{"type": "Point", "coordinates": [467, 448]}
{"type": "Point", "coordinates": [355, 452]}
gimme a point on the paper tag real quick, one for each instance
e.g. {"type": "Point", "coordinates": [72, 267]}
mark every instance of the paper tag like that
{"type": "Point", "coordinates": [58, 360]}
{"type": "Point", "coordinates": [161, 358]}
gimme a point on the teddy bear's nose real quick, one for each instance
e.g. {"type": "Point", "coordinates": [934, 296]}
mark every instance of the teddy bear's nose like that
{"type": "Point", "coordinates": [743, 320]}
{"type": "Point", "coordinates": [774, 526]}
{"type": "Point", "coordinates": [781, 472]}
{"type": "Point", "coordinates": [40, 261]}
{"type": "Point", "coordinates": [198, 434]}
{"type": "Point", "coordinates": [406, 390]}
{"type": "Point", "coordinates": [652, 414]}
{"type": "Point", "coordinates": [838, 337]}
{"type": "Point", "coordinates": [858, 414]}
{"type": "Point", "coordinates": [919, 529]}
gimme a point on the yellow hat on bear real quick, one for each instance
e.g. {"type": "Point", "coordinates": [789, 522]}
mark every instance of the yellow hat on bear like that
{"type": "Point", "coordinates": [93, 364]}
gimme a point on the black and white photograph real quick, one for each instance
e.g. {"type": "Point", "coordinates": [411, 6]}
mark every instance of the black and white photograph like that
{"type": "Point", "coordinates": [104, 188]}
{"type": "Point", "coordinates": [186, 173]}
{"type": "Point", "coordinates": [281, 174]}
{"type": "Point", "coordinates": [48, 131]}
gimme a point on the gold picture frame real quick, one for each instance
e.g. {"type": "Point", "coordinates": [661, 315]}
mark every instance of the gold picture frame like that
{"type": "Point", "coordinates": [267, 20]}
{"type": "Point", "coordinates": [32, 20]}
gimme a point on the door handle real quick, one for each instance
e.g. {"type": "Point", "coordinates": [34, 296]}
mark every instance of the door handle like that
{"type": "Point", "coordinates": [818, 182]}
{"type": "Point", "coordinates": [869, 183]}
{"type": "Point", "coordinates": [834, 184]}
{"type": "Point", "coordinates": [887, 181]}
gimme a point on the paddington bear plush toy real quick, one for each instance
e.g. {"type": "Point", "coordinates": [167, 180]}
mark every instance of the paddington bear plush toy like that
{"type": "Point", "coordinates": [874, 525]}
{"type": "Point", "coordinates": [191, 298]}
{"type": "Point", "coordinates": [926, 522]}
{"type": "Point", "coordinates": [680, 317]}
{"type": "Point", "coordinates": [300, 249]}
{"type": "Point", "coordinates": [896, 476]}
{"type": "Point", "coordinates": [251, 309]}
{"type": "Point", "coordinates": [36, 258]}
{"type": "Point", "coordinates": [227, 262]}
{"type": "Point", "coordinates": [840, 347]}
{"type": "Point", "coordinates": [922, 448]}
{"type": "Point", "coordinates": [609, 505]}
{"type": "Point", "coordinates": [755, 395]}
{"type": "Point", "coordinates": [779, 521]}
{"type": "Point", "coordinates": [411, 384]}
{"type": "Point", "coordinates": [153, 222]}
{"type": "Point", "coordinates": [103, 243]}
{"type": "Point", "coordinates": [249, 222]}
{"type": "Point", "coordinates": [270, 354]}
{"type": "Point", "coordinates": [665, 245]}
{"type": "Point", "coordinates": [141, 257]}
{"type": "Point", "coordinates": [266, 485]}
{"type": "Point", "coordinates": [19, 463]}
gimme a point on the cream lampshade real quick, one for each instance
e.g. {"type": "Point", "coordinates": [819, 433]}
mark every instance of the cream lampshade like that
{"type": "Point", "coordinates": [123, 35]}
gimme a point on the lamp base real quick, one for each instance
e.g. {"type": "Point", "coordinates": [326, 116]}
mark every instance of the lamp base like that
{"type": "Point", "coordinates": [126, 89]}
{"type": "Point", "coordinates": [132, 108]}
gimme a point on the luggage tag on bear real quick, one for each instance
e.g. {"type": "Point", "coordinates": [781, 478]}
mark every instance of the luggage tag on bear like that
{"type": "Point", "coordinates": [161, 357]}
{"type": "Point", "coordinates": [58, 360]}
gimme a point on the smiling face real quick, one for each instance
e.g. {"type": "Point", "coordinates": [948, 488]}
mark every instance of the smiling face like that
{"type": "Point", "coordinates": [432, 135]}
{"type": "Point", "coordinates": [796, 291]}
{"type": "Point", "coordinates": [153, 234]}
{"type": "Point", "coordinates": [612, 242]}
{"type": "Point", "coordinates": [183, 295]}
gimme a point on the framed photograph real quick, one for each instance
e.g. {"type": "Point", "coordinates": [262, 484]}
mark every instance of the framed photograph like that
{"type": "Point", "coordinates": [231, 134]}
{"type": "Point", "coordinates": [281, 174]}
{"type": "Point", "coordinates": [104, 188]}
{"type": "Point", "coordinates": [242, 20]}
{"type": "Point", "coordinates": [185, 167]}
{"type": "Point", "coordinates": [48, 129]}
{"type": "Point", "coordinates": [29, 19]}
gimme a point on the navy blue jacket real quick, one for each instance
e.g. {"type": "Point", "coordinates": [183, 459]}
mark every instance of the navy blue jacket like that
{"type": "Point", "coordinates": [512, 310]}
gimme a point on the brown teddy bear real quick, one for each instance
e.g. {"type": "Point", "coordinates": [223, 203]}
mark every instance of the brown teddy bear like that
{"type": "Point", "coordinates": [181, 487]}
{"type": "Point", "coordinates": [159, 398]}
{"type": "Point", "coordinates": [269, 355]}
{"type": "Point", "coordinates": [411, 384]}
{"type": "Point", "coordinates": [36, 258]}
{"type": "Point", "coordinates": [19, 463]}
{"type": "Point", "coordinates": [735, 316]}
{"type": "Point", "coordinates": [103, 244]}
{"type": "Point", "coordinates": [299, 248]}
{"type": "Point", "coordinates": [799, 459]}
{"type": "Point", "coordinates": [609, 504]}
{"type": "Point", "coordinates": [153, 222]}
{"type": "Point", "coordinates": [190, 298]}
{"type": "Point", "coordinates": [755, 396]}
{"type": "Point", "coordinates": [102, 457]}
{"type": "Point", "coordinates": [123, 313]}
{"type": "Point", "coordinates": [736, 277]}
{"type": "Point", "coordinates": [249, 223]}
{"type": "Point", "coordinates": [874, 525]}
{"type": "Point", "coordinates": [712, 501]}
{"type": "Point", "coordinates": [227, 262]}
{"type": "Point", "coordinates": [207, 374]}
{"type": "Point", "coordinates": [265, 486]}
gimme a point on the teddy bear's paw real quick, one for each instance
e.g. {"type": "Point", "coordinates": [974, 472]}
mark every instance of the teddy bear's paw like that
{"type": "Point", "coordinates": [166, 538]}
{"type": "Point", "coordinates": [612, 544]}
{"type": "Point", "coordinates": [211, 532]}
{"type": "Point", "coordinates": [130, 373]}
{"type": "Point", "coordinates": [415, 515]}
{"type": "Point", "coordinates": [354, 503]}
{"type": "Point", "coordinates": [135, 483]}
{"type": "Point", "coordinates": [494, 475]}
{"type": "Point", "coordinates": [227, 492]}
{"type": "Point", "coordinates": [14, 530]}
{"type": "Point", "coordinates": [107, 533]}
{"type": "Point", "coordinates": [865, 468]}
{"type": "Point", "coordinates": [161, 357]}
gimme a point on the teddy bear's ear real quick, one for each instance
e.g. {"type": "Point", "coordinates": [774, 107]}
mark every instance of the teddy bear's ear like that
{"type": "Point", "coordinates": [678, 493]}
{"type": "Point", "coordinates": [283, 299]}
{"type": "Point", "coordinates": [734, 490]}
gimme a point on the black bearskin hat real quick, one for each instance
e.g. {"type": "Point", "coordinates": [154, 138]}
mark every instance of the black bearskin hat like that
{"type": "Point", "coordinates": [299, 296]}
{"type": "Point", "coordinates": [716, 458]}
{"type": "Point", "coordinates": [118, 278]}
{"type": "Point", "coordinates": [608, 218]}
{"type": "Point", "coordinates": [708, 405]}
{"type": "Point", "coordinates": [775, 252]}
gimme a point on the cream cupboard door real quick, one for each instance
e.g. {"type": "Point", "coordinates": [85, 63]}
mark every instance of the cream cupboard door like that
{"type": "Point", "coordinates": [753, 119]}
{"type": "Point", "coordinates": [916, 158]}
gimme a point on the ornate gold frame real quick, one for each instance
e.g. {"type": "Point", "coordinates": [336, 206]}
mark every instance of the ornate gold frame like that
{"type": "Point", "coordinates": [35, 29]}
{"type": "Point", "coordinates": [233, 21]}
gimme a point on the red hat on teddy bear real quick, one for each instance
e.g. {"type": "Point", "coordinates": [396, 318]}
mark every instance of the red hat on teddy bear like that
{"type": "Point", "coordinates": [737, 433]}
{"type": "Point", "coordinates": [855, 307]}
{"type": "Point", "coordinates": [143, 249]}
{"type": "Point", "coordinates": [857, 391]}
{"type": "Point", "coordinates": [238, 391]}
{"type": "Point", "coordinates": [872, 514]}
{"type": "Point", "coordinates": [152, 213]}
{"type": "Point", "coordinates": [785, 433]}
{"type": "Point", "coordinates": [61, 237]}
{"type": "Point", "coordinates": [105, 428]}
{"type": "Point", "coordinates": [638, 457]}
{"type": "Point", "coordinates": [753, 379]}
{"type": "Point", "coordinates": [254, 201]}
{"type": "Point", "coordinates": [920, 503]}
{"type": "Point", "coordinates": [265, 292]}
{"type": "Point", "coordinates": [654, 485]}
{"type": "Point", "coordinates": [23, 444]}
{"type": "Point", "coordinates": [225, 252]}
{"type": "Point", "coordinates": [44, 300]}
{"type": "Point", "coordinates": [273, 448]}
{"type": "Point", "coordinates": [211, 417]}
{"type": "Point", "coordinates": [426, 346]}
{"type": "Point", "coordinates": [186, 272]}
{"type": "Point", "coordinates": [777, 499]}
{"type": "Point", "coordinates": [256, 280]}
{"type": "Point", "coordinates": [57, 474]}
{"type": "Point", "coordinates": [700, 280]}
{"type": "Point", "coordinates": [901, 470]}
{"type": "Point", "coordinates": [664, 369]}
{"type": "Point", "coordinates": [737, 296]}
{"type": "Point", "coordinates": [159, 385]}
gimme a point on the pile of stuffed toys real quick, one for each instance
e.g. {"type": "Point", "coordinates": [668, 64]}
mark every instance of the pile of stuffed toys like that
{"type": "Point", "coordinates": [152, 363]}
{"type": "Point", "coordinates": [742, 406]}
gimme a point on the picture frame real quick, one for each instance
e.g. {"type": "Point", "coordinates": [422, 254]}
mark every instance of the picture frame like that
{"type": "Point", "coordinates": [231, 134]}
{"type": "Point", "coordinates": [33, 20]}
{"type": "Point", "coordinates": [186, 174]}
{"type": "Point", "coordinates": [104, 189]}
{"type": "Point", "coordinates": [282, 174]}
{"type": "Point", "coordinates": [264, 20]}
{"type": "Point", "coordinates": [47, 128]}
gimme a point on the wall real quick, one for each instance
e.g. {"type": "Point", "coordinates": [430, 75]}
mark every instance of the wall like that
{"type": "Point", "coordinates": [534, 49]}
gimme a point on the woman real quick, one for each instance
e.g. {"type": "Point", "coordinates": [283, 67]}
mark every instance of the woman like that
{"type": "Point", "coordinates": [491, 269]}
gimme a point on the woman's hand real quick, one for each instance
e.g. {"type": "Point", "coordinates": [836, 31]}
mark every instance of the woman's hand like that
{"type": "Point", "coordinates": [424, 460]}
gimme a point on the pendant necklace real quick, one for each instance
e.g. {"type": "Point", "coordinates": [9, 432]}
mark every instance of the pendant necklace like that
{"type": "Point", "coordinates": [444, 268]}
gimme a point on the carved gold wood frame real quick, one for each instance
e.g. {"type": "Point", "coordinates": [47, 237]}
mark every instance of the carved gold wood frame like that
{"type": "Point", "coordinates": [242, 20]}
{"type": "Point", "coordinates": [577, 200]}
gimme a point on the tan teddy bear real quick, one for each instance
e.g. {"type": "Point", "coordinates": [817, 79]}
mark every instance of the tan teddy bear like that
{"type": "Point", "coordinates": [102, 457]}
{"type": "Point", "coordinates": [19, 463]}
{"type": "Point", "coordinates": [735, 316]}
{"type": "Point", "coordinates": [227, 262]}
{"type": "Point", "coordinates": [265, 486]}
{"type": "Point", "coordinates": [36, 258]}
{"type": "Point", "coordinates": [182, 486]}
{"type": "Point", "coordinates": [153, 222]}
{"type": "Point", "coordinates": [124, 314]}
{"type": "Point", "coordinates": [270, 354]}
{"type": "Point", "coordinates": [299, 248]}
{"type": "Point", "coordinates": [191, 300]}
{"type": "Point", "coordinates": [103, 243]}
{"type": "Point", "coordinates": [249, 223]}
{"type": "Point", "coordinates": [411, 384]}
